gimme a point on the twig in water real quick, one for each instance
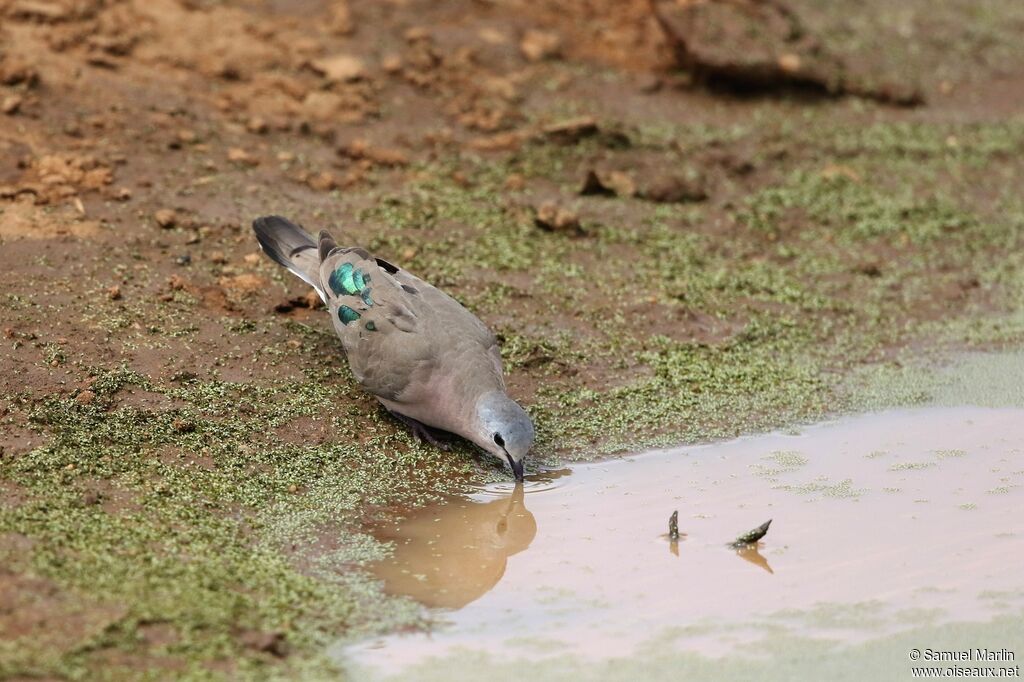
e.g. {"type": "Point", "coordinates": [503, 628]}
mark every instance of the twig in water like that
{"type": "Point", "coordinates": [751, 536]}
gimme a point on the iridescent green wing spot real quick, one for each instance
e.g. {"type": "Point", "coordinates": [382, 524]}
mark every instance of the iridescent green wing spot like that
{"type": "Point", "coordinates": [341, 281]}
{"type": "Point", "coordinates": [347, 280]}
{"type": "Point", "coordinates": [370, 326]}
{"type": "Point", "coordinates": [346, 315]}
{"type": "Point", "coordinates": [366, 297]}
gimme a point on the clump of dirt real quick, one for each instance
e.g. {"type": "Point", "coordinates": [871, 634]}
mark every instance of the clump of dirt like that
{"type": "Point", "coordinates": [50, 178]}
{"type": "Point", "coordinates": [762, 45]}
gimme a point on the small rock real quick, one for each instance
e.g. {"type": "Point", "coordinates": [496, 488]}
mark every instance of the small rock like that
{"type": "Point", "coordinates": [340, 19]}
{"type": "Point", "coordinates": [492, 36]}
{"type": "Point", "coordinates": [790, 63]}
{"type": "Point", "coordinates": [183, 259]}
{"type": "Point", "coordinates": [114, 293]}
{"type": "Point", "coordinates": [11, 104]}
{"type": "Point", "coordinates": [122, 194]}
{"type": "Point", "coordinates": [44, 11]}
{"type": "Point", "coordinates": [391, 63]}
{"type": "Point", "coordinates": [243, 284]}
{"type": "Point", "coordinates": [16, 71]}
{"type": "Point", "coordinates": [382, 156]}
{"type": "Point", "coordinates": [166, 218]}
{"type": "Point", "coordinates": [323, 181]}
{"type": "Point", "coordinates": [322, 106]}
{"type": "Point", "coordinates": [257, 125]}
{"type": "Point", "coordinates": [608, 183]}
{"type": "Point", "coordinates": [239, 155]}
{"type": "Point", "coordinates": [540, 45]}
{"type": "Point", "coordinates": [340, 68]}
{"type": "Point", "coordinates": [85, 397]}
{"type": "Point", "coordinates": [673, 189]}
{"type": "Point", "coordinates": [416, 33]}
{"type": "Point", "coordinates": [571, 130]}
{"type": "Point", "coordinates": [552, 217]}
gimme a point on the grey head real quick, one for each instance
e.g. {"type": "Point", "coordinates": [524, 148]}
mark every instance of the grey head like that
{"type": "Point", "coordinates": [503, 429]}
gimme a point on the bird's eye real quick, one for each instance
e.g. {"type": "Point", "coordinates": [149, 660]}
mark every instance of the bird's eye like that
{"type": "Point", "coordinates": [499, 440]}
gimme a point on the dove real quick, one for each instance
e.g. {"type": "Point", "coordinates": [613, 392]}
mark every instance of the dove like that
{"type": "Point", "coordinates": [427, 359]}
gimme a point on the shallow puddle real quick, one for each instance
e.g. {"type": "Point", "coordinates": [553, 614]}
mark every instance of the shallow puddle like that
{"type": "Point", "coordinates": [887, 526]}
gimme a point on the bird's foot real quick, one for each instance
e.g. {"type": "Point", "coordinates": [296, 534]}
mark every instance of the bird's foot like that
{"type": "Point", "coordinates": [422, 431]}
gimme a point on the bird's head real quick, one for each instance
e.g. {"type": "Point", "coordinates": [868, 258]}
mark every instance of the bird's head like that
{"type": "Point", "coordinates": [503, 429]}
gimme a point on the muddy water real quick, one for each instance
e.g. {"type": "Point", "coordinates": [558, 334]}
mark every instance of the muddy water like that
{"type": "Point", "coordinates": [883, 525]}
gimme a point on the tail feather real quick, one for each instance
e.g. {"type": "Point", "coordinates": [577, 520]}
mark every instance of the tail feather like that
{"type": "Point", "coordinates": [327, 244]}
{"type": "Point", "coordinates": [290, 246]}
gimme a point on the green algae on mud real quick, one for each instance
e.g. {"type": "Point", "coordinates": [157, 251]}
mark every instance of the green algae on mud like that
{"type": "Point", "coordinates": [142, 508]}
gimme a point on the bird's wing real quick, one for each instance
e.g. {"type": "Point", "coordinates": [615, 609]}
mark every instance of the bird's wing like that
{"type": "Point", "coordinates": [400, 333]}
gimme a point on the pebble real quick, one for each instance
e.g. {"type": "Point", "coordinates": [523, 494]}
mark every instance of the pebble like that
{"type": "Point", "coordinates": [239, 155]}
{"type": "Point", "coordinates": [11, 104]}
{"type": "Point", "coordinates": [257, 125]}
{"type": "Point", "coordinates": [166, 218]}
{"type": "Point", "coordinates": [340, 68]}
{"type": "Point", "coordinates": [540, 45]}
{"type": "Point", "coordinates": [550, 216]}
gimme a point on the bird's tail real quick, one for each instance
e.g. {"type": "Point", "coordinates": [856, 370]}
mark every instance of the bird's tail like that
{"type": "Point", "coordinates": [289, 245]}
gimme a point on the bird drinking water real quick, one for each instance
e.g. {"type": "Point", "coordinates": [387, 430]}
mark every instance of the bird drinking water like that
{"type": "Point", "coordinates": [427, 359]}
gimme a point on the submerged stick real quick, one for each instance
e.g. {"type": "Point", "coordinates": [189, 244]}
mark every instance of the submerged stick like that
{"type": "Point", "coordinates": [673, 526]}
{"type": "Point", "coordinates": [751, 536]}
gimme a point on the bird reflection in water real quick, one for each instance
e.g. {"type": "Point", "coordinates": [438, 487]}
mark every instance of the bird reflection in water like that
{"type": "Point", "coordinates": [450, 554]}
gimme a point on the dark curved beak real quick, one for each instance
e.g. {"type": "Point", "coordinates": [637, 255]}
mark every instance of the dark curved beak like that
{"type": "Point", "coordinates": [517, 467]}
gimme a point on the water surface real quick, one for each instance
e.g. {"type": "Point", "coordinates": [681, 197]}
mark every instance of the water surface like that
{"type": "Point", "coordinates": [886, 528]}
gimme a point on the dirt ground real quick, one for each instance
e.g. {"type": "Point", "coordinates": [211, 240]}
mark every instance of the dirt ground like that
{"type": "Point", "coordinates": [185, 461]}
